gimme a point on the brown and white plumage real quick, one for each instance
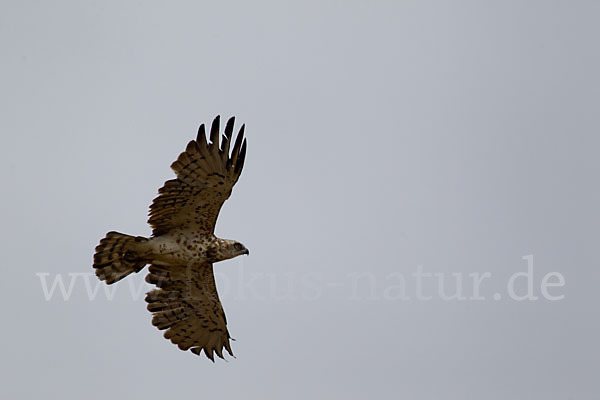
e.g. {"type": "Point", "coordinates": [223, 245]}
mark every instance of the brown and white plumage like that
{"type": "Point", "coordinates": [206, 174]}
{"type": "Point", "coordinates": [188, 306]}
{"type": "Point", "coordinates": [183, 247]}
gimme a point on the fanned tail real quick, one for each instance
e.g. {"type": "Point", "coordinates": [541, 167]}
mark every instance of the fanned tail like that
{"type": "Point", "coordinates": [118, 255]}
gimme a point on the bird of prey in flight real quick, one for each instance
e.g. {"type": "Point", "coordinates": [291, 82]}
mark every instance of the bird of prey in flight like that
{"type": "Point", "coordinates": [183, 248]}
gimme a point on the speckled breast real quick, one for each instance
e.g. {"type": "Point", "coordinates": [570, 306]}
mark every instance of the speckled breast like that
{"type": "Point", "coordinates": [180, 248]}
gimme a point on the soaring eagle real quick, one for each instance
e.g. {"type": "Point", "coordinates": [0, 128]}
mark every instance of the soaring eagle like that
{"type": "Point", "coordinates": [183, 247]}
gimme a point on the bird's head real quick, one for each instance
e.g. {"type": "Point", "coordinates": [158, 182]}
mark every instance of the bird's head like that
{"type": "Point", "coordinates": [224, 249]}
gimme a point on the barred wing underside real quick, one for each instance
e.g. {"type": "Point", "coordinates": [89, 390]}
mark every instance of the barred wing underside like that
{"type": "Point", "coordinates": [187, 305]}
{"type": "Point", "coordinates": [206, 173]}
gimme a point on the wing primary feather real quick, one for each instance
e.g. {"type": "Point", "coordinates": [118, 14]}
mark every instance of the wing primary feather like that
{"type": "Point", "coordinates": [240, 161]}
{"type": "Point", "coordinates": [219, 351]}
{"type": "Point", "coordinates": [224, 149]}
{"type": "Point", "coordinates": [196, 350]}
{"type": "Point", "coordinates": [228, 348]}
{"type": "Point", "coordinates": [214, 133]}
{"type": "Point", "coordinates": [192, 147]}
{"type": "Point", "coordinates": [236, 147]}
{"type": "Point", "coordinates": [209, 354]}
{"type": "Point", "coordinates": [229, 127]}
{"type": "Point", "coordinates": [201, 138]}
{"type": "Point", "coordinates": [227, 138]}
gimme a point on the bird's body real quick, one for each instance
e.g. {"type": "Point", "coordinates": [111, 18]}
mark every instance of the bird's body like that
{"type": "Point", "coordinates": [183, 247]}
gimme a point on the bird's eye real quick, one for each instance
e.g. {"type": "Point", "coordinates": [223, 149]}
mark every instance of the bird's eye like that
{"type": "Point", "coordinates": [237, 246]}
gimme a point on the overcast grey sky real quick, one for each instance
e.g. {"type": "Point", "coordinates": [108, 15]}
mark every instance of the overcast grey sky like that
{"type": "Point", "coordinates": [385, 140]}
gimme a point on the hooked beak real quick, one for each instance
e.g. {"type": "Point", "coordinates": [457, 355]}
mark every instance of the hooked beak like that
{"type": "Point", "coordinates": [246, 252]}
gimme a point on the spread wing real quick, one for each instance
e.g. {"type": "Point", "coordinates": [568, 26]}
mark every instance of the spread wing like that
{"type": "Point", "coordinates": [188, 307]}
{"type": "Point", "coordinates": [206, 173]}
